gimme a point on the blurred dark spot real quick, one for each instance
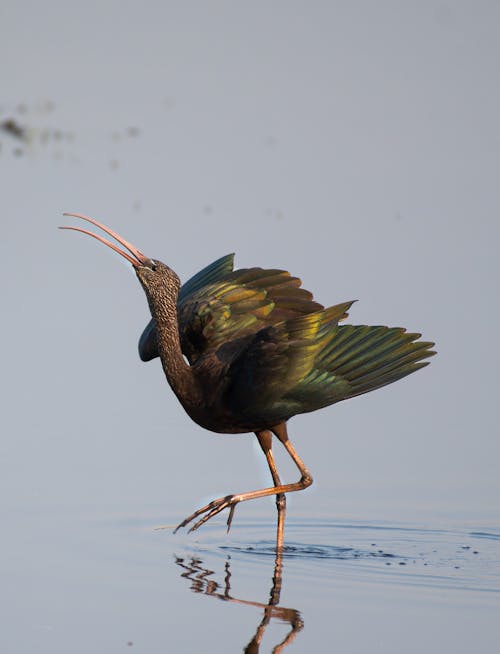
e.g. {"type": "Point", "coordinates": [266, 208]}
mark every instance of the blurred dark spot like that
{"type": "Point", "coordinates": [133, 132]}
{"type": "Point", "coordinates": [13, 128]}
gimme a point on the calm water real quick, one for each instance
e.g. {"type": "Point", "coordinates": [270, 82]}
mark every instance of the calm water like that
{"type": "Point", "coordinates": [115, 583]}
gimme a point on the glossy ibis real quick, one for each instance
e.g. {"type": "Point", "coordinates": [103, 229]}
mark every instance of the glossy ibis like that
{"type": "Point", "coordinates": [260, 350]}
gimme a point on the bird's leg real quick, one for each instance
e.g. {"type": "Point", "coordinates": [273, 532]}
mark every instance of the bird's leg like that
{"type": "Point", "coordinates": [265, 441]}
{"type": "Point", "coordinates": [281, 434]}
{"type": "Point", "coordinates": [218, 505]}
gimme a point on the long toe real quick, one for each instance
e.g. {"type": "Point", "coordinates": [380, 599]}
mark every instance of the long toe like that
{"type": "Point", "coordinates": [211, 509]}
{"type": "Point", "coordinates": [224, 504]}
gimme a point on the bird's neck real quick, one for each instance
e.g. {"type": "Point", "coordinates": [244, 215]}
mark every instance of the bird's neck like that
{"type": "Point", "coordinates": [180, 375]}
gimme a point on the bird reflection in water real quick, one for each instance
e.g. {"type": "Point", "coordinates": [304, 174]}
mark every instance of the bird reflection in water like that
{"type": "Point", "coordinates": [202, 582]}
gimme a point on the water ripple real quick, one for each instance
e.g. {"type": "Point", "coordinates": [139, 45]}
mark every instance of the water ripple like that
{"type": "Point", "coordinates": [303, 551]}
{"type": "Point", "coordinates": [403, 554]}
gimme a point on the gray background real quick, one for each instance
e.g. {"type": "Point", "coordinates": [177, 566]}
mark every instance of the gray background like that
{"type": "Point", "coordinates": [356, 144]}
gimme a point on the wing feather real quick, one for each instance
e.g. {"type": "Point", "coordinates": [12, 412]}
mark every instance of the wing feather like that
{"type": "Point", "coordinates": [220, 306]}
{"type": "Point", "coordinates": [237, 307]}
{"type": "Point", "coordinates": [310, 362]}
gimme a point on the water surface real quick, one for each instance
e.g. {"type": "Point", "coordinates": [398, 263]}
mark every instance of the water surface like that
{"type": "Point", "coordinates": [114, 582]}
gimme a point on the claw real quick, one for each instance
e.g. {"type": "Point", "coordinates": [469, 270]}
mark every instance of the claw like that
{"type": "Point", "coordinates": [210, 510]}
{"type": "Point", "coordinates": [230, 516]}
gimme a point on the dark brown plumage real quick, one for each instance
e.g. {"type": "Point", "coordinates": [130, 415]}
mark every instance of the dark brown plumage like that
{"type": "Point", "coordinates": [260, 350]}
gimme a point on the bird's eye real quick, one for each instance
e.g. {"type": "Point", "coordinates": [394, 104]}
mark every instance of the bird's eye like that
{"type": "Point", "coordinates": [153, 265]}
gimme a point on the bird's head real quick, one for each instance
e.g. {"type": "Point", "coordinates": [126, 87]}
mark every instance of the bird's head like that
{"type": "Point", "coordinates": [155, 276]}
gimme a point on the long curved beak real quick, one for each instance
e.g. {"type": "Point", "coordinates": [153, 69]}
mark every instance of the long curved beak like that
{"type": "Point", "coordinates": [139, 260]}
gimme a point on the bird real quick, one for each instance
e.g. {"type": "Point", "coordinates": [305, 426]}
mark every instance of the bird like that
{"type": "Point", "coordinates": [245, 350]}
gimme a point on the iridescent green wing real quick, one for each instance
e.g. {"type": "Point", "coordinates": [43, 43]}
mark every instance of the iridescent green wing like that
{"type": "Point", "coordinates": [208, 275]}
{"type": "Point", "coordinates": [359, 359]}
{"type": "Point", "coordinates": [223, 315]}
{"type": "Point", "coordinates": [276, 361]}
{"type": "Point", "coordinates": [147, 343]}
{"type": "Point", "coordinates": [311, 362]}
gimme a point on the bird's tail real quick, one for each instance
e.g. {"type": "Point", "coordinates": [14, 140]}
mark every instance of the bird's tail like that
{"type": "Point", "coordinates": [361, 358]}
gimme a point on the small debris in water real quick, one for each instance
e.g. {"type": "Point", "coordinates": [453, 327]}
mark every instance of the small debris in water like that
{"type": "Point", "coordinates": [13, 128]}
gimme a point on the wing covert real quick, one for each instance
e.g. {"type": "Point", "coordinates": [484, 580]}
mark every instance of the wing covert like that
{"type": "Point", "coordinates": [221, 307]}
{"type": "Point", "coordinates": [229, 312]}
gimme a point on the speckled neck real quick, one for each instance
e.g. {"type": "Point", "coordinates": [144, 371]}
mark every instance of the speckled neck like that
{"type": "Point", "coordinates": [180, 375]}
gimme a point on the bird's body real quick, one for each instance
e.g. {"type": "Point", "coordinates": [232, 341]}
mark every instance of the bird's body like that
{"type": "Point", "coordinates": [260, 350]}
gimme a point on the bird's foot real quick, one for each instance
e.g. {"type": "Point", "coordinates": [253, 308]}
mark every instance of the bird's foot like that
{"type": "Point", "coordinates": [211, 509]}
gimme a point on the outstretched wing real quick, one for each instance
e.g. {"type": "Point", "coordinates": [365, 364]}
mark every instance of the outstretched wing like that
{"type": "Point", "coordinates": [221, 307]}
{"type": "Point", "coordinates": [225, 314]}
{"type": "Point", "coordinates": [311, 362]}
{"type": "Point", "coordinates": [210, 274]}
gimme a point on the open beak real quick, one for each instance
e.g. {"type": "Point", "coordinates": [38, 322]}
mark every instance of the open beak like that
{"type": "Point", "coordinates": [137, 259]}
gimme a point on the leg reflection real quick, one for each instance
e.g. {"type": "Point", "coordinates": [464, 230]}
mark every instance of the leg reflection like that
{"type": "Point", "coordinates": [202, 582]}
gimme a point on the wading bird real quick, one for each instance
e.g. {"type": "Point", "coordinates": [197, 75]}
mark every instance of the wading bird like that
{"type": "Point", "coordinates": [260, 350]}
